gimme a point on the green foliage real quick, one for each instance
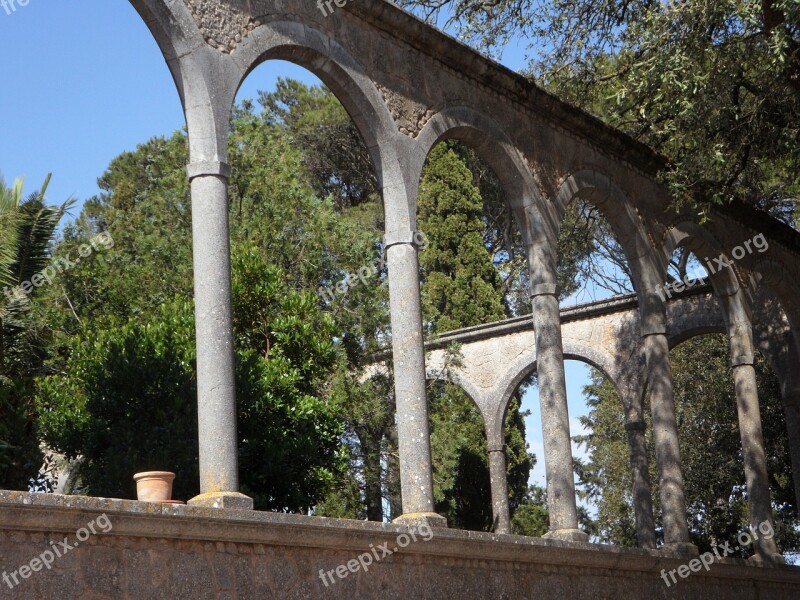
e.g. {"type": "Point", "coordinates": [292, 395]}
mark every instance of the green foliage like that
{"type": "Point", "coordinates": [370, 411]}
{"type": "Point", "coordinates": [334, 155]}
{"type": "Point", "coordinates": [532, 518]}
{"type": "Point", "coordinates": [710, 446]}
{"type": "Point", "coordinates": [325, 226]}
{"type": "Point", "coordinates": [126, 401]}
{"type": "Point", "coordinates": [27, 229]}
{"type": "Point", "coordinates": [460, 283]}
{"type": "Point", "coordinates": [605, 478]}
{"type": "Point", "coordinates": [458, 447]}
{"type": "Point", "coordinates": [286, 355]}
{"type": "Point", "coordinates": [144, 207]}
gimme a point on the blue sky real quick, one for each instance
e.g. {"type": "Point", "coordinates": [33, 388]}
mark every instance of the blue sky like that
{"type": "Point", "coordinates": [86, 81]}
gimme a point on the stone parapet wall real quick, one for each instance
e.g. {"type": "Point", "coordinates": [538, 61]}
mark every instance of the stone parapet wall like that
{"type": "Point", "coordinates": [178, 552]}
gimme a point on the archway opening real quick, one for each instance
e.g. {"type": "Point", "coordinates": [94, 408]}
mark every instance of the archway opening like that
{"type": "Point", "coordinates": [711, 448]}
{"type": "Point", "coordinates": [597, 419]}
{"type": "Point", "coordinates": [473, 271]}
{"type": "Point", "coordinates": [602, 455]}
{"type": "Point", "coordinates": [592, 264]}
{"type": "Point", "coordinates": [305, 199]}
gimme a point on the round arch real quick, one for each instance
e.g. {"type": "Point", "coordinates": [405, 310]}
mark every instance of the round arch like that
{"type": "Point", "coordinates": [684, 335]}
{"type": "Point", "coordinates": [735, 308]}
{"type": "Point", "coordinates": [522, 368]}
{"type": "Point", "coordinates": [464, 384]}
{"type": "Point", "coordinates": [338, 70]}
{"type": "Point", "coordinates": [482, 134]}
{"type": "Point", "coordinates": [165, 31]}
{"type": "Point", "coordinates": [600, 190]}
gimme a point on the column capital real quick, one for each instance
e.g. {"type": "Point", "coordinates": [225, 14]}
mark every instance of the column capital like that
{"type": "Point", "coordinates": [410, 238]}
{"type": "Point", "coordinates": [208, 168]}
{"type": "Point", "coordinates": [746, 359]}
{"type": "Point", "coordinates": [542, 289]}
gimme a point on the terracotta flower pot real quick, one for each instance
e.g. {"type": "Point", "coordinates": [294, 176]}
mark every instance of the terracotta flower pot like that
{"type": "Point", "coordinates": [154, 486]}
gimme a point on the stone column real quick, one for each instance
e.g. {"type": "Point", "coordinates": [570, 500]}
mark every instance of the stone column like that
{"type": "Point", "coordinates": [216, 385]}
{"type": "Point", "coordinates": [755, 461]}
{"type": "Point", "coordinates": [408, 354]}
{"type": "Point", "coordinates": [665, 435]}
{"type": "Point", "coordinates": [499, 483]}
{"type": "Point", "coordinates": [555, 415]}
{"type": "Point", "coordinates": [791, 409]}
{"type": "Point", "coordinates": [642, 500]}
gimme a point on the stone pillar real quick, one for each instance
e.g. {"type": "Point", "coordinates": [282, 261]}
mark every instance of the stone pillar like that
{"type": "Point", "coordinates": [755, 461]}
{"type": "Point", "coordinates": [499, 483]}
{"type": "Point", "coordinates": [408, 354]}
{"type": "Point", "coordinates": [555, 416]}
{"type": "Point", "coordinates": [665, 435]}
{"type": "Point", "coordinates": [642, 500]}
{"type": "Point", "coordinates": [791, 409]}
{"type": "Point", "coordinates": [216, 385]}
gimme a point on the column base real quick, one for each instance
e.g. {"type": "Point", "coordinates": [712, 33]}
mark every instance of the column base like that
{"type": "Point", "coordinates": [685, 548]}
{"type": "Point", "coordinates": [772, 559]}
{"type": "Point", "coordinates": [567, 535]}
{"type": "Point", "coordinates": [422, 519]}
{"type": "Point", "coordinates": [230, 500]}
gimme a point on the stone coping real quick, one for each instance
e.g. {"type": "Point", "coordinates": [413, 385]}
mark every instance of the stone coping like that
{"type": "Point", "coordinates": [53, 513]}
{"type": "Point", "coordinates": [569, 314]}
{"type": "Point", "coordinates": [403, 25]}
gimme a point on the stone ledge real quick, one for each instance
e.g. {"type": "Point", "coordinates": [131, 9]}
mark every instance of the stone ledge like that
{"type": "Point", "coordinates": [52, 513]}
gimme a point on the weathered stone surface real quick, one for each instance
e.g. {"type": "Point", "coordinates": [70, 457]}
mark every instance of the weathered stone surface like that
{"type": "Point", "coordinates": [229, 500]}
{"type": "Point", "coordinates": [410, 116]}
{"type": "Point", "coordinates": [210, 554]}
{"type": "Point", "coordinates": [224, 23]}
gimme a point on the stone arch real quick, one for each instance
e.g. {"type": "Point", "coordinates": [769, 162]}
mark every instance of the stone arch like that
{"type": "Point", "coordinates": [780, 281]}
{"type": "Point", "coordinates": [454, 377]}
{"type": "Point", "coordinates": [684, 335]}
{"type": "Point", "coordinates": [347, 80]}
{"type": "Point", "coordinates": [600, 190]}
{"type": "Point", "coordinates": [526, 364]}
{"type": "Point", "coordinates": [169, 28]}
{"type": "Point", "coordinates": [490, 142]}
{"type": "Point", "coordinates": [735, 307]}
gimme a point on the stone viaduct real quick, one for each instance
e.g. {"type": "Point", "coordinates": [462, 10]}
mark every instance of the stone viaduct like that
{"type": "Point", "coordinates": [492, 360]}
{"type": "Point", "coordinates": [408, 87]}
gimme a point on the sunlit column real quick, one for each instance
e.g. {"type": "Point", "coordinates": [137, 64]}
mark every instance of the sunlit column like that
{"type": "Point", "coordinates": [216, 384]}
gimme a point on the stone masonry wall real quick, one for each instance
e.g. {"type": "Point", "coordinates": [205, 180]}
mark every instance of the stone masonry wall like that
{"type": "Point", "coordinates": [179, 552]}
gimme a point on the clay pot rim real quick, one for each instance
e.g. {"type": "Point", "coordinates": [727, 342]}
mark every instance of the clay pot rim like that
{"type": "Point", "coordinates": [154, 475]}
